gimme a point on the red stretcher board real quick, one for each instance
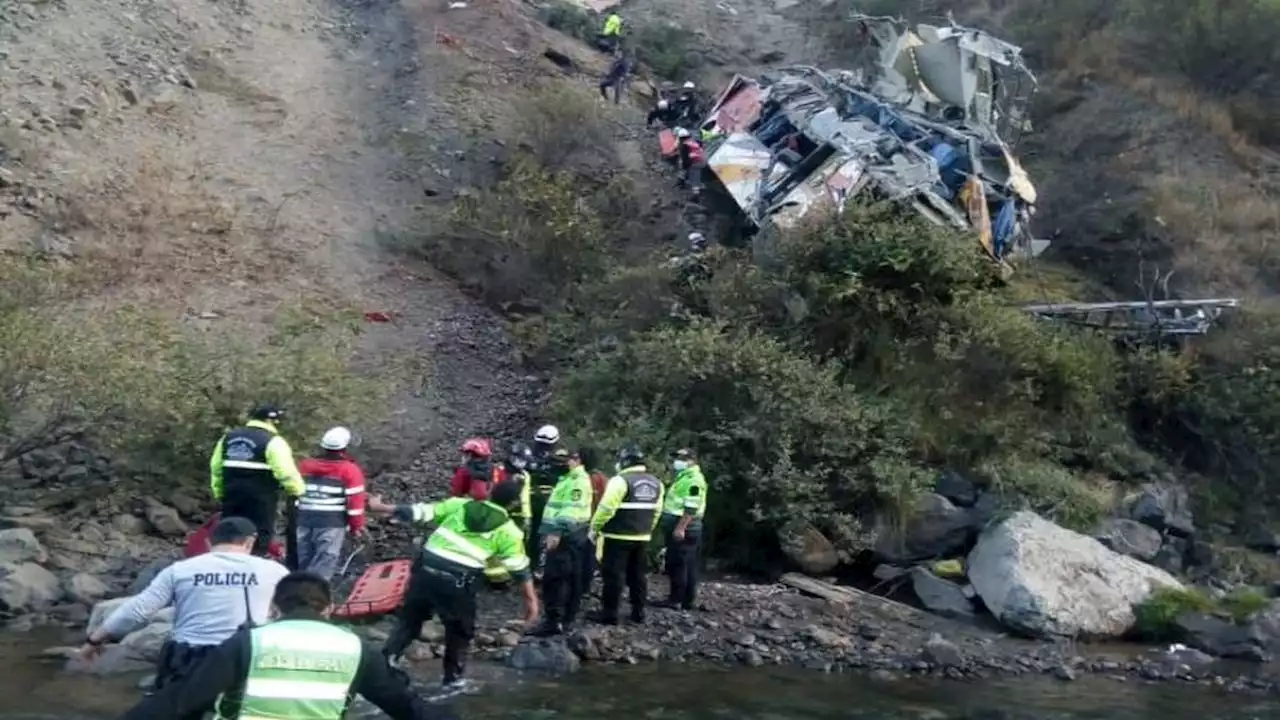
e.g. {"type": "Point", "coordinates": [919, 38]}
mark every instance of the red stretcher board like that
{"type": "Point", "coordinates": [198, 542]}
{"type": "Point", "coordinates": [379, 591]}
{"type": "Point", "coordinates": [667, 144]}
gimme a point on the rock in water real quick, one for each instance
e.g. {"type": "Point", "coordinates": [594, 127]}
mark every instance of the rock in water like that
{"type": "Point", "coordinates": [809, 549]}
{"type": "Point", "coordinates": [27, 588]}
{"type": "Point", "coordinates": [1130, 537]}
{"type": "Point", "coordinates": [544, 655]}
{"type": "Point", "coordinates": [1045, 580]}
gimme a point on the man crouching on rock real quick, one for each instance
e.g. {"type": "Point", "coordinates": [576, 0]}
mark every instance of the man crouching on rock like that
{"type": "Point", "coordinates": [299, 666]}
{"type": "Point", "coordinates": [451, 570]}
{"type": "Point", "coordinates": [213, 596]}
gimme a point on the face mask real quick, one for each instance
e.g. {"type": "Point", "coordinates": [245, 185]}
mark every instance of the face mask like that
{"type": "Point", "coordinates": [519, 463]}
{"type": "Point", "coordinates": [680, 465]}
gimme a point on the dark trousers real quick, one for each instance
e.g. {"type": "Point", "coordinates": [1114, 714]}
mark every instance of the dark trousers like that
{"type": "Point", "coordinates": [624, 559]}
{"type": "Point", "coordinates": [616, 84]}
{"type": "Point", "coordinates": [177, 664]}
{"type": "Point", "coordinates": [589, 566]}
{"type": "Point", "coordinates": [258, 510]}
{"type": "Point", "coordinates": [682, 568]}
{"type": "Point", "coordinates": [562, 581]}
{"type": "Point", "coordinates": [452, 597]}
{"type": "Point", "coordinates": [532, 540]}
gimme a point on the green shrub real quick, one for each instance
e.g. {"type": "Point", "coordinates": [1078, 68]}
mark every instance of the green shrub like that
{"type": "Point", "coordinates": [1155, 615]}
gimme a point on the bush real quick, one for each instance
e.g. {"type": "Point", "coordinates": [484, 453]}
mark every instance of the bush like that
{"type": "Point", "coordinates": [153, 393]}
{"type": "Point", "coordinates": [1155, 615]}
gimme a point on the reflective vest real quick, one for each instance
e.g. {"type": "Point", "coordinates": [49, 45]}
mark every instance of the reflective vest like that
{"type": "Point", "coordinates": [245, 469]}
{"type": "Point", "coordinates": [612, 26]}
{"type": "Point", "coordinates": [300, 670]}
{"type": "Point", "coordinates": [679, 499]}
{"type": "Point", "coordinates": [459, 549]}
{"type": "Point", "coordinates": [569, 507]}
{"type": "Point", "coordinates": [526, 492]}
{"type": "Point", "coordinates": [635, 515]}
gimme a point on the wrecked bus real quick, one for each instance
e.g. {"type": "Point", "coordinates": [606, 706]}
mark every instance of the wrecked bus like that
{"type": "Point", "coordinates": [918, 120]}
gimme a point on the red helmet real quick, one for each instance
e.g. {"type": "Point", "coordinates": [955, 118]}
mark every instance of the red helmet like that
{"type": "Point", "coordinates": [477, 446]}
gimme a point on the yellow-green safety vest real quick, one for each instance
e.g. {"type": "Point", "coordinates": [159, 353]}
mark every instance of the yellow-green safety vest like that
{"type": "Point", "coordinates": [299, 669]}
{"type": "Point", "coordinates": [569, 507]}
{"type": "Point", "coordinates": [612, 26]}
{"type": "Point", "coordinates": [453, 541]}
{"type": "Point", "coordinates": [681, 498]}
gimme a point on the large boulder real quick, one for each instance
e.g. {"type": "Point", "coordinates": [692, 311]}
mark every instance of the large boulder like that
{"type": "Point", "coordinates": [1218, 636]}
{"type": "Point", "coordinates": [27, 587]}
{"type": "Point", "coordinates": [550, 656]}
{"type": "Point", "coordinates": [1044, 580]}
{"type": "Point", "coordinates": [1164, 506]}
{"type": "Point", "coordinates": [809, 549]}
{"type": "Point", "coordinates": [145, 644]}
{"type": "Point", "coordinates": [1130, 537]}
{"type": "Point", "coordinates": [19, 545]}
{"type": "Point", "coordinates": [84, 588]}
{"type": "Point", "coordinates": [165, 520]}
{"type": "Point", "coordinates": [936, 528]}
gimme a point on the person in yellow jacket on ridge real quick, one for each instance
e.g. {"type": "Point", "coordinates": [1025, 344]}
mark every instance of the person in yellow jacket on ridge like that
{"type": "Point", "coordinates": [249, 467]}
{"type": "Point", "coordinates": [624, 522]}
{"type": "Point", "coordinates": [610, 34]}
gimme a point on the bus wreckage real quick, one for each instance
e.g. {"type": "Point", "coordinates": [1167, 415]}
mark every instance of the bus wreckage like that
{"type": "Point", "coordinates": [925, 118]}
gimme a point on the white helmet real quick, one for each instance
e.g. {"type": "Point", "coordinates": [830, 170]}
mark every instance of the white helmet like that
{"type": "Point", "coordinates": [663, 104]}
{"type": "Point", "coordinates": [336, 438]}
{"type": "Point", "coordinates": [547, 435]}
{"type": "Point", "coordinates": [688, 85]}
{"type": "Point", "coordinates": [682, 132]}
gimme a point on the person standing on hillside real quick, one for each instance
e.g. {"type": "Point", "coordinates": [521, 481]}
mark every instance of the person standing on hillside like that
{"type": "Point", "coordinates": [564, 540]}
{"type": "Point", "coordinates": [684, 505]}
{"type": "Point", "coordinates": [248, 468]}
{"type": "Point", "coordinates": [625, 521]}
{"type": "Point", "coordinates": [331, 507]}
{"type": "Point", "coordinates": [451, 568]}
{"type": "Point", "coordinates": [213, 595]}
{"type": "Point", "coordinates": [616, 76]}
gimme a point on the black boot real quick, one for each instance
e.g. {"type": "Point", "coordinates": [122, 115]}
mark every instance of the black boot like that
{"type": "Point", "coordinates": [548, 628]}
{"type": "Point", "coordinates": [603, 619]}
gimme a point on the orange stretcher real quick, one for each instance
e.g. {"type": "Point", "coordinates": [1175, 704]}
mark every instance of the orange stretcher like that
{"type": "Point", "coordinates": [379, 590]}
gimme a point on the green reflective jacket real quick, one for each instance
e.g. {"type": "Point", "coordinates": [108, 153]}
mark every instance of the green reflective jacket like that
{"type": "Point", "coordinates": [569, 507]}
{"type": "Point", "coordinates": [687, 494]}
{"type": "Point", "coordinates": [299, 669]}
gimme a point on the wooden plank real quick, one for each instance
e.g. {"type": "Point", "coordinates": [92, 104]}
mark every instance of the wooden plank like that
{"type": "Point", "coordinates": [849, 595]}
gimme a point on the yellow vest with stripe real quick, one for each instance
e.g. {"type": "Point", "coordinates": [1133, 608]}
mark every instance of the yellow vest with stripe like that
{"type": "Point", "coordinates": [455, 543]}
{"type": "Point", "coordinates": [298, 670]}
{"type": "Point", "coordinates": [636, 514]}
{"type": "Point", "coordinates": [569, 507]}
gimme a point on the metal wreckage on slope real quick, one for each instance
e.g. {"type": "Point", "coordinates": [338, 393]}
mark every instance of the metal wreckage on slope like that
{"type": "Point", "coordinates": [927, 117]}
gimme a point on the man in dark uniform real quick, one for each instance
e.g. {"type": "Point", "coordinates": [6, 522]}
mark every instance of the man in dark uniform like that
{"type": "Point", "coordinates": [249, 466]}
{"type": "Point", "coordinates": [624, 522]}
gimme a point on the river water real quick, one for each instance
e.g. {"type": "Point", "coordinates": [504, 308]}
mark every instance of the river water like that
{"type": "Point", "coordinates": [36, 690]}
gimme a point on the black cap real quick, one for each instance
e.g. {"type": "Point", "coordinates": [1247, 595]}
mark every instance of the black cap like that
{"type": "Point", "coordinates": [232, 529]}
{"type": "Point", "coordinates": [630, 455]}
{"type": "Point", "coordinates": [266, 412]}
{"type": "Point", "coordinates": [684, 454]}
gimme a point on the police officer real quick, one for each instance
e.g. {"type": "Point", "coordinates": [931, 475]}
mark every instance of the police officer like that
{"type": "Point", "coordinates": [625, 520]}
{"type": "Point", "coordinates": [450, 570]}
{"type": "Point", "coordinates": [213, 595]}
{"type": "Point", "coordinates": [544, 477]}
{"type": "Point", "coordinates": [564, 539]}
{"type": "Point", "coordinates": [249, 466]}
{"type": "Point", "coordinates": [682, 509]}
{"type": "Point", "coordinates": [300, 666]}
{"type": "Point", "coordinates": [516, 469]}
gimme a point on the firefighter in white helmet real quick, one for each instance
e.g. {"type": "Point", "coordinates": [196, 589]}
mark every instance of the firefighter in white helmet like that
{"type": "Point", "coordinates": [544, 473]}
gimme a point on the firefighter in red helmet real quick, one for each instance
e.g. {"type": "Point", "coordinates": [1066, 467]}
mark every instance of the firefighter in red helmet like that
{"type": "Point", "coordinates": [475, 476]}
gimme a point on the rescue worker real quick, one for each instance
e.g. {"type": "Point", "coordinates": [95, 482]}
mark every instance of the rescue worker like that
{"type": "Point", "coordinates": [475, 475]}
{"type": "Point", "coordinates": [213, 595]}
{"type": "Point", "coordinates": [299, 666]}
{"type": "Point", "coordinates": [591, 461]}
{"type": "Point", "coordinates": [544, 477]}
{"type": "Point", "coordinates": [564, 540]}
{"type": "Point", "coordinates": [450, 569]}
{"type": "Point", "coordinates": [686, 106]}
{"type": "Point", "coordinates": [683, 507]}
{"type": "Point", "coordinates": [248, 468]}
{"type": "Point", "coordinates": [611, 34]}
{"type": "Point", "coordinates": [616, 77]}
{"type": "Point", "coordinates": [516, 469]}
{"type": "Point", "coordinates": [692, 159]}
{"type": "Point", "coordinates": [625, 521]}
{"type": "Point", "coordinates": [332, 506]}
{"type": "Point", "coordinates": [664, 112]}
